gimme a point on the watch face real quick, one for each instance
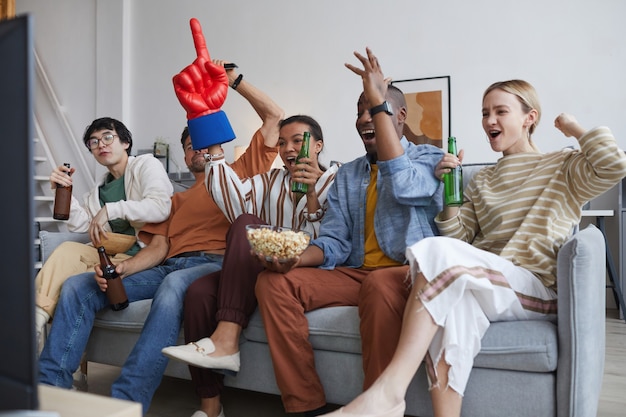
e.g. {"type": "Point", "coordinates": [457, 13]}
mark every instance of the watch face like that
{"type": "Point", "coordinates": [385, 106]}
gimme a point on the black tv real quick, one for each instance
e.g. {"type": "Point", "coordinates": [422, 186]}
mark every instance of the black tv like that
{"type": "Point", "coordinates": [18, 348]}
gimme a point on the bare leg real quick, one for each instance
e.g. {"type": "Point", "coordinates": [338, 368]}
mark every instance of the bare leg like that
{"type": "Point", "coordinates": [389, 390]}
{"type": "Point", "coordinates": [211, 406]}
{"type": "Point", "coordinates": [226, 338]}
{"type": "Point", "coordinates": [446, 401]}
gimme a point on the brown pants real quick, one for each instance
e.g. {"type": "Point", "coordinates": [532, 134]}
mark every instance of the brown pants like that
{"type": "Point", "coordinates": [226, 295]}
{"type": "Point", "coordinates": [284, 298]}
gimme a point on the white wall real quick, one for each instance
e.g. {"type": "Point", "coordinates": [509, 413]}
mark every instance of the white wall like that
{"type": "Point", "coordinates": [117, 58]}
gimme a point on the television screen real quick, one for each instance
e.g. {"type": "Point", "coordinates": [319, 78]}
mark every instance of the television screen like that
{"type": "Point", "coordinates": [18, 349]}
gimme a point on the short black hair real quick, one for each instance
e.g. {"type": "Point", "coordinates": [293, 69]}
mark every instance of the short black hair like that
{"type": "Point", "coordinates": [184, 136]}
{"type": "Point", "coordinates": [111, 124]}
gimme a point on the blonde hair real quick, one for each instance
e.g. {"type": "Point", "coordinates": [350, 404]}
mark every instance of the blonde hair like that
{"type": "Point", "coordinates": [527, 96]}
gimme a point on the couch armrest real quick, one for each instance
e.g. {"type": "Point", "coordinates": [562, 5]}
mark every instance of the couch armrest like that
{"type": "Point", "coordinates": [581, 280]}
{"type": "Point", "coordinates": [48, 241]}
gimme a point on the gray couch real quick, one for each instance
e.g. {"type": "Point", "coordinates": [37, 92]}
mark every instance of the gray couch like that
{"type": "Point", "coordinates": [532, 368]}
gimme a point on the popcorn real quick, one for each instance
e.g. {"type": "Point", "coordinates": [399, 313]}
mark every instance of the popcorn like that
{"type": "Point", "coordinates": [277, 241]}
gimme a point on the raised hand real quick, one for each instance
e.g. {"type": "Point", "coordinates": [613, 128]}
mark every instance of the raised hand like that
{"type": "Point", "coordinates": [374, 82]}
{"type": "Point", "coordinates": [567, 124]}
{"type": "Point", "coordinates": [202, 87]}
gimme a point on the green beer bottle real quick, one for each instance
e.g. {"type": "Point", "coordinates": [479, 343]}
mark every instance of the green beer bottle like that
{"type": "Point", "coordinates": [298, 187]}
{"type": "Point", "coordinates": [453, 180]}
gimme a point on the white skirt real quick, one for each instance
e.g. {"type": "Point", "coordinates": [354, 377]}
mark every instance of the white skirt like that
{"type": "Point", "coordinates": [469, 288]}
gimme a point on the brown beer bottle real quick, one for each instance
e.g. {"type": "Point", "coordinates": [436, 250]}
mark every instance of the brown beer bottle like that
{"type": "Point", "coordinates": [62, 201]}
{"type": "Point", "coordinates": [116, 293]}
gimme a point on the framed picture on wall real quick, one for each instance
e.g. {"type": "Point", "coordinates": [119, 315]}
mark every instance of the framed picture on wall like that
{"type": "Point", "coordinates": [428, 108]}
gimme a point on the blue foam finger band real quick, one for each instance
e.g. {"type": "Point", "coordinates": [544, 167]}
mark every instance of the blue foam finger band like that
{"type": "Point", "coordinates": [211, 129]}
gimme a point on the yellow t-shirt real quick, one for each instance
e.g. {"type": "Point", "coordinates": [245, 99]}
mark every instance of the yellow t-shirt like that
{"type": "Point", "coordinates": [374, 256]}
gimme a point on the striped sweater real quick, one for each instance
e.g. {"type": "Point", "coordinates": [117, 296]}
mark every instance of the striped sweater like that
{"type": "Point", "coordinates": [267, 195]}
{"type": "Point", "coordinates": [525, 207]}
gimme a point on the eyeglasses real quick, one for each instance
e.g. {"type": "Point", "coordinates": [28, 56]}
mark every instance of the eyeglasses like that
{"type": "Point", "coordinates": [107, 139]}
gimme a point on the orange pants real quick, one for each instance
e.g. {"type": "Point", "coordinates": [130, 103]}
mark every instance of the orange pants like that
{"type": "Point", "coordinates": [283, 299]}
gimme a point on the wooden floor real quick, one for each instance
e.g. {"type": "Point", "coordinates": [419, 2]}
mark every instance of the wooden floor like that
{"type": "Point", "coordinates": [176, 397]}
{"type": "Point", "coordinates": [613, 395]}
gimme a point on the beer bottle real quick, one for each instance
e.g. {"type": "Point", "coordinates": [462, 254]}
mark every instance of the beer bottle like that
{"type": "Point", "coordinates": [62, 201]}
{"type": "Point", "coordinates": [298, 187]}
{"type": "Point", "coordinates": [116, 293]}
{"type": "Point", "coordinates": [453, 180]}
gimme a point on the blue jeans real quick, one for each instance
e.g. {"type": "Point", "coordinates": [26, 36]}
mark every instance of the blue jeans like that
{"type": "Point", "coordinates": [81, 299]}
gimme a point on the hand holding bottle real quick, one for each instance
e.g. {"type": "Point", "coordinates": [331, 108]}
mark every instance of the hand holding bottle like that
{"type": "Point", "coordinates": [115, 291]}
{"type": "Point", "coordinates": [62, 183]}
{"type": "Point", "coordinates": [447, 163]}
{"type": "Point", "coordinates": [298, 186]}
{"type": "Point", "coordinates": [307, 171]}
{"type": "Point", "coordinates": [61, 175]}
{"type": "Point", "coordinates": [453, 179]}
{"type": "Point", "coordinates": [101, 279]}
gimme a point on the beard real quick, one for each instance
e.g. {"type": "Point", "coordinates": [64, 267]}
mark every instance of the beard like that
{"type": "Point", "coordinates": [197, 163]}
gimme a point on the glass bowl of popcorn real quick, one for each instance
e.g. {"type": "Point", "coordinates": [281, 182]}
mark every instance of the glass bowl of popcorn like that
{"type": "Point", "coordinates": [274, 241]}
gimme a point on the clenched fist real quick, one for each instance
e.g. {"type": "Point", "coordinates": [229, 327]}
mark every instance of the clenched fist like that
{"type": "Point", "coordinates": [567, 124]}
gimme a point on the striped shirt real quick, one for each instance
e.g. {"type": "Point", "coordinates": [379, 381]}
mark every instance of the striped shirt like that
{"type": "Point", "coordinates": [267, 196]}
{"type": "Point", "coordinates": [526, 206]}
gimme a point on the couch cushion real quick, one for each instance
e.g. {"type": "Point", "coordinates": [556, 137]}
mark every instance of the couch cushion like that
{"type": "Point", "coordinates": [129, 319]}
{"type": "Point", "coordinates": [332, 328]}
{"type": "Point", "coordinates": [529, 346]}
{"type": "Point", "coordinates": [523, 345]}
{"type": "Point", "coordinates": [48, 241]}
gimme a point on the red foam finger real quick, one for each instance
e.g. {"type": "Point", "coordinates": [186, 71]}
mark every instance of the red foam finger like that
{"type": "Point", "coordinates": [182, 81]}
{"type": "Point", "coordinates": [198, 39]}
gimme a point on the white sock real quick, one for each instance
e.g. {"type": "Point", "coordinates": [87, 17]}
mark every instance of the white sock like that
{"type": "Point", "coordinates": [41, 319]}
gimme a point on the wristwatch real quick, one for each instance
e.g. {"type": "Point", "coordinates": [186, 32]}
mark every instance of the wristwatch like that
{"type": "Point", "coordinates": [384, 106]}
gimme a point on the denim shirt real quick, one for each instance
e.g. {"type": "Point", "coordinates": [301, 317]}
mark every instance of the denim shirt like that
{"type": "Point", "coordinates": [409, 198]}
